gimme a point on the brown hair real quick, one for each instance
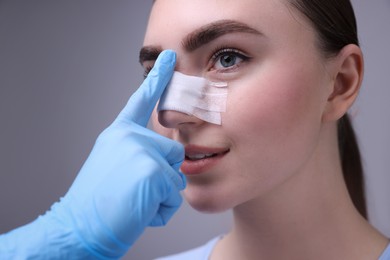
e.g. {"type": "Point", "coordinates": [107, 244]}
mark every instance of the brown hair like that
{"type": "Point", "coordinates": [335, 23]}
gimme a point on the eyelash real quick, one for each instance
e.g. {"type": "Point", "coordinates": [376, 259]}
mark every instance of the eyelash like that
{"type": "Point", "coordinates": [223, 51]}
{"type": "Point", "coordinates": [218, 53]}
{"type": "Point", "coordinates": [147, 70]}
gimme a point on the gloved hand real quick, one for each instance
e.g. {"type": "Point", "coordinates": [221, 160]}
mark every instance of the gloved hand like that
{"type": "Point", "coordinates": [131, 180]}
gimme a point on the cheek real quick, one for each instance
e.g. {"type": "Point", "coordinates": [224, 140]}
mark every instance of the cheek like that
{"type": "Point", "coordinates": [275, 115]}
{"type": "Point", "coordinates": [271, 103]}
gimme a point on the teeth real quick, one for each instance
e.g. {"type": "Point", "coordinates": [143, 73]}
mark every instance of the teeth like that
{"type": "Point", "coordinates": [199, 156]}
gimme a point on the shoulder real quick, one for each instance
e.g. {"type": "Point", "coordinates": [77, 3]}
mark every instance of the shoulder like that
{"type": "Point", "coordinates": [199, 253]}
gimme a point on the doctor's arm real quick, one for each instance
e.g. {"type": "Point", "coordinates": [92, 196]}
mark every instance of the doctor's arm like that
{"type": "Point", "coordinates": [130, 181]}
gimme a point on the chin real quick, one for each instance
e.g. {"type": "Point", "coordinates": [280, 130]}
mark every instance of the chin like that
{"type": "Point", "coordinates": [207, 203]}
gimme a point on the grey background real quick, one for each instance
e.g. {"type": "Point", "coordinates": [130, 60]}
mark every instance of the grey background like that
{"type": "Point", "coordinates": [68, 67]}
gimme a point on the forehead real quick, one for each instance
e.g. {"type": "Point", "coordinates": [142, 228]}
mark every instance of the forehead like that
{"type": "Point", "coordinates": [176, 17]}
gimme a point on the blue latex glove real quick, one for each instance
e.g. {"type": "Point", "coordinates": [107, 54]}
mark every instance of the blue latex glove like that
{"type": "Point", "coordinates": [131, 180]}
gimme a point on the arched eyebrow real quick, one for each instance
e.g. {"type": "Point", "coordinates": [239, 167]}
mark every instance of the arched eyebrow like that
{"type": "Point", "coordinates": [201, 37]}
{"type": "Point", "coordinates": [212, 31]}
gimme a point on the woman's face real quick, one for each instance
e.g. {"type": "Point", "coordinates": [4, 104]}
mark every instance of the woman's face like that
{"type": "Point", "coordinates": [278, 87]}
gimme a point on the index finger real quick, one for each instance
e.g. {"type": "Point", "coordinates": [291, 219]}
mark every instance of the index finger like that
{"type": "Point", "coordinates": [141, 104]}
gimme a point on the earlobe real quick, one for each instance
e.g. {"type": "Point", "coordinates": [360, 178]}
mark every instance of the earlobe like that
{"type": "Point", "coordinates": [349, 68]}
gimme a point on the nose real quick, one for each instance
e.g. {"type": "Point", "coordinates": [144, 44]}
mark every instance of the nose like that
{"type": "Point", "coordinates": [176, 119]}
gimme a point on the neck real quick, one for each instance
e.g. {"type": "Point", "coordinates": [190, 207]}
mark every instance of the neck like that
{"type": "Point", "coordinates": [309, 216]}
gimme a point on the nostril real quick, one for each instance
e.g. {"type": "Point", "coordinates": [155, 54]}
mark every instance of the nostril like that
{"type": "Point", "coordinates": [172, 119]}
{"type": "Point", "coordinates": [165, 118]}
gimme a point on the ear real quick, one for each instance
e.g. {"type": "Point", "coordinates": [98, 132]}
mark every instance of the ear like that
{"type": "Point", "coordinates": [348, 68]}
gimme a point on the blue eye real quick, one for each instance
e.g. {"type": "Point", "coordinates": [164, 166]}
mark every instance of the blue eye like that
{"type": "Point", "coordinates": [227, 59]}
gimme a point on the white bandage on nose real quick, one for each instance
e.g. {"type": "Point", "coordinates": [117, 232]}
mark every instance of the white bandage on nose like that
{"type": "Point", "coordinates": [195, 96]}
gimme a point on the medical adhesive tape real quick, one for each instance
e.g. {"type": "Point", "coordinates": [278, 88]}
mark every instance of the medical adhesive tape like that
{"type": "Point", "coordinates": [195, 96]}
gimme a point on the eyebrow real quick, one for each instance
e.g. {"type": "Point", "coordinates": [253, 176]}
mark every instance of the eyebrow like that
{"type": "Point", "coordinates": [201, 37]}
{"type": "Point", "coordinates": [212, 31]}
{"type": "Point", "coordinates": [149, 53]}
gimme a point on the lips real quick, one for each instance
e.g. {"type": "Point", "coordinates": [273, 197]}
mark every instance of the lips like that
{"type": "Point", "coordinates": [200, 159]}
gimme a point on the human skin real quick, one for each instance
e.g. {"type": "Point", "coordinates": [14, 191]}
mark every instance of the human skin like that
{"type": "Point", "coordinates": [281, 172]}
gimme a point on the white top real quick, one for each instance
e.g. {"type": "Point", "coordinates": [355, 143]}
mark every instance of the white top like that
{"type": "Point", "coordinates": [386, 254]}
{"type": "Point", "coordinates": [204, 252]}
